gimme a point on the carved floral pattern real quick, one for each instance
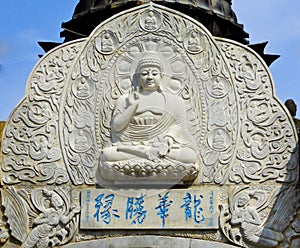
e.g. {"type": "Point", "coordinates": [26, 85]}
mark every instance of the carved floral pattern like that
{"type": "Point", "coordinates": [243, 134]}
{"type": "Point", "coordinates": [267, 136]}
{"type": "Point", "coordinates": [102, 72]}
{"type": "Point", "coordinates": [31, 146]}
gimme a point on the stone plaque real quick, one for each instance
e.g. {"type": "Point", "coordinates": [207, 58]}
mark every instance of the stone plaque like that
{"type": "Point", "coordinates": [150, 99]}
{"type": "Point", "coordinates": [149, 209]}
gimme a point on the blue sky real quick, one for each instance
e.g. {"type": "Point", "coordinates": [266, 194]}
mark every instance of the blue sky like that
{"type": "Point", "coordinates": [24, 22]}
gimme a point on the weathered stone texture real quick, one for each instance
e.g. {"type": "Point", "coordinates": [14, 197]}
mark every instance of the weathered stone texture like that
{"type": "Point", "coordinates": [150, 101]}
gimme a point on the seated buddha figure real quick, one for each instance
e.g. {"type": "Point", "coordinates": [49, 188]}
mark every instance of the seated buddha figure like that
{"type": "Point", "coordinates": [148, 123]}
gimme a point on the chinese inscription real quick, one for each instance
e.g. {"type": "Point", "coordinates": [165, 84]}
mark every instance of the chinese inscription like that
{"type": "Point", "coordinates": [135, 210]}
{"type": "Point", "coordinates": [158, 209]}
{"type": "Point", "coordinates": [192, 208]}
{"type": "Point", "coordinates": [104, 209]}
{"type": "Point", "coordinates": [163, 207]}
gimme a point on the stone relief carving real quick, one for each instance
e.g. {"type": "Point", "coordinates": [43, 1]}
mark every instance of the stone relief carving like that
{"type": "Point", "coordinates": [150, 20]}
{"type": "Point", "coordinates": [45, 219]}
{"type": "Point", "coordinates": [55, 224]}
{"type": "Point", "coordinates": [106, 42]}
{"type": "Point", "coordinates": [205, 84]}
{"type": "Point", "coordinates": [80, 151]}
{"type": "Point", "coordinates": [259, 215]}
{"type": "Point", "coordinates": [197, 109]}
{"type": "Point", "coordinates": [118, 77]}
{"type": "Point", "coordinates": [30, 145]}
{"type": "Point", "coordinates": [293, 233]}
{"type": "Point", "coordinates": [148, 126]}
{"type": "Point", "coordinates": [115, 79]}
{"type": "Point", "coordinates": [267, 133]}
{"type": "Point", "coordinates": [193, 43]}
{"type": "Point", "coordinates": [16, 213]}
{"type": "Point", "coordinates": [103, 72]}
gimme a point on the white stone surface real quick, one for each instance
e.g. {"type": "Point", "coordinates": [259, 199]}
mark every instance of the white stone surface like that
{"type": "Point", "coordinates": [148, 241]}
{"type": "Point", "coordinates": [215, 122]}
{"type": "Point", "coordinates": [149, 209]}
{"type": "Point", "coordinates": [211, 115]}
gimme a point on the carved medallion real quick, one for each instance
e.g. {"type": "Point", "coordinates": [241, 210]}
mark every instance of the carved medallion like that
{"type": "Point", "coordinates": [150, 98]}
{"type": "Point", "coordinates": [150, 20]}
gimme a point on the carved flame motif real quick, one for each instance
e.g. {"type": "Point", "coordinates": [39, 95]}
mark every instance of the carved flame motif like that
{"type": "Point", "coordinates": [223, 112]}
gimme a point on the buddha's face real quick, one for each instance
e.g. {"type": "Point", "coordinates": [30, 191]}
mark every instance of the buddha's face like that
{"type": "Point", "coordinates": [149, 78]}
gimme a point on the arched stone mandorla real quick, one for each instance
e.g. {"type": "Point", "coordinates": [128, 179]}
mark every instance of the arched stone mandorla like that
{"type": "Point", "coordinates": [150, 98]}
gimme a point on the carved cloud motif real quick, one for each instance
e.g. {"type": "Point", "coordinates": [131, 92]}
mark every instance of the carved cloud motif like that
{"type": "Point", "coordinates": [57, 133]}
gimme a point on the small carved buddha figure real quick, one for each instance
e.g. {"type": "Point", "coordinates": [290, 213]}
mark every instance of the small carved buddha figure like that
{"type": "Point", "coordinates": [81, 141]}
{"type": "Point", "coordinates": [149, 124]}
{"type": "Point", "coordinates": [194, 42]}
{"type": "Point", "coordinates": [107, 43]}
{"type": "Point", "coordinates": [150, 21]}
{"type": "Point", "coordinates": [83, 88]}
{"type": "Point", "coordinates": [218, 88]}
{"type": "Point", "coordinates": [218, 141]}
